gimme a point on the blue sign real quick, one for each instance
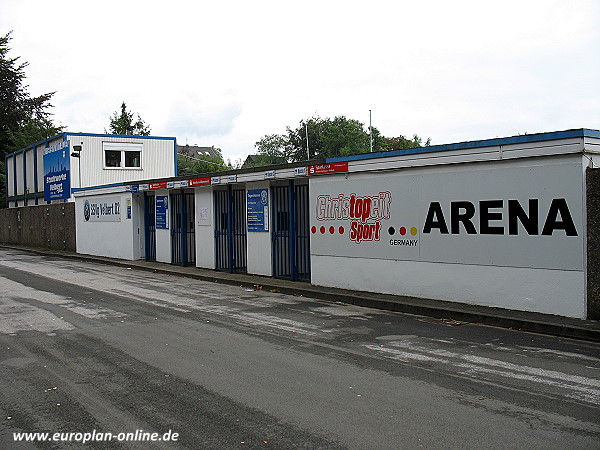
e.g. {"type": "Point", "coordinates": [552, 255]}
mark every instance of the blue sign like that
{"type": "Point", "coordinates": [57, 172]}
{"type": "Point", "coordinates": [258, 210]}
{"type": "Point", "coordinates": [162, 210]}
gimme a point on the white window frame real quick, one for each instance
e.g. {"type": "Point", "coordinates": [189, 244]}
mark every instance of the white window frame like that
{"type": "Point", "coordinates": [122, 147]}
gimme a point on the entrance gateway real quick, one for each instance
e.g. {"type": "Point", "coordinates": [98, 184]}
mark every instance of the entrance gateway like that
{"type": "Point", "coordinates": [230, 230]}
{"type": "Point", "coordinates": [291, 232]}
{"type": "Point", "coordinates": [183, 239]}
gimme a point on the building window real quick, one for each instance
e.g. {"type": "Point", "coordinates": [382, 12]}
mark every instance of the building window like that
{"type": "Point", "coordinates": [112, 158]}
{"type": "Point", "coordinates": [122, 155]}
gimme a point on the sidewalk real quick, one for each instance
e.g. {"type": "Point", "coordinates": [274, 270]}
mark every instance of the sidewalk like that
{"type": "Point", "coordinates": [527, 321]}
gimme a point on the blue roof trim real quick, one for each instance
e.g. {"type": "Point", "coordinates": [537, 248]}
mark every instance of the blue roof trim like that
{"type": "Point", "coordinates": [539, 137]}
{"type": "Point", "coordinates": [66, 135]}
{"type": "Point", "coordinates": [91, 188]}
{"type": "Point", "coordinates": [128, 136]}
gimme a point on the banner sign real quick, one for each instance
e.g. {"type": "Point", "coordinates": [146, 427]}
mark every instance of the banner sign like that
{"type": "Point", "coordinates": [199, 182]}
{"type": "Point", "coordinates": [258, 210]}
{"type": "Point", "coordinates": [159, 185]}
{"type": "Point", "coordinates": [320, 169]}
{"type": "Point", "coordinates": [162, 212]}
{"type": "Point", "coordinates": [494, 216]}
{"type": "Point", "coordinates": [102, 209]}
{"type": "Point", "coordinates": [57, 172]}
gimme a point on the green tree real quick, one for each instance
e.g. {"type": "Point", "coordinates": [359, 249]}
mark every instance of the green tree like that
{"type": "Point", "coordinates": [124, 123]}
{"type": "Point", "coordinates": [339, 136]}
{"type": "Point", "coordinates": [402, 143]}
{"type": "Point", "coordinates": [24, 120]}
{"type": "Point", "coordinates": [272, 149]}
{"type": "Point", "coordinates": [327, 138]}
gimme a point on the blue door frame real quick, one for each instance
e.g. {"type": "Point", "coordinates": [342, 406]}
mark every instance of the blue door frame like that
{"type": "Point", "coordinates": [149, 227]}
{"type": "Point", "coordinates": [290, 235]}
{"type": "Point", "coordinates": [230, 230]}
{"type": "Point", "coordinates": [183, 241]}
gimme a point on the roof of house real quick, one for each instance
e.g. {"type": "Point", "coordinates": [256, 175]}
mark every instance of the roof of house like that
{"type": "Point", "coordinates": [195, 151]}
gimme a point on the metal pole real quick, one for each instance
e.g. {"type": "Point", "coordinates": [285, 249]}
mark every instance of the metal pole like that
{"type": "Point", "coordinates": [307, 148]}
{"type": "Point", "coordinates": [370, 131]}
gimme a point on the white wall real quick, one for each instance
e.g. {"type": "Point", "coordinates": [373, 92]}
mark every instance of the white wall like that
{"type": "Point", "coordinates": [558, 292]}
{"type": "Point", "coordinates": [259, 242]}
{"type": "Point", "coordinates": [205, 228]}
{"type": "Point", "coordinates": [163, 236]}
{"type": "Point", "coordinates": [137, 211]}
{"type": "Point", "coordinates": [158, 160]}
{"type": "Point", "coordinates": [529, 271]}
{"type": "Point", "coordinates": [101, 237]}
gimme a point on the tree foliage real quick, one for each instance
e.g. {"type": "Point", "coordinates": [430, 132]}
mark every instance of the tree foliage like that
{"type": "Point", "coordinates": [327, 138]}
{"type": "Point", "coordinates": [125, 124]}
{"type": "Point", "coordinates": [24, 120]}
{"type": "Point", "coordinates": [188, 165]}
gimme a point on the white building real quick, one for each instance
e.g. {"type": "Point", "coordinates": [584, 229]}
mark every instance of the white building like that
{"type": "Point", "coordinates": [51, 170]}
{"type": "Point", "coordinates": [511, 222]}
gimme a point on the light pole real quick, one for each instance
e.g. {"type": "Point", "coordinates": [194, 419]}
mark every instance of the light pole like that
{"type": "Point", "coordinates": [307, 148]}
{"type": "Point", "coordinates": [370, 132]}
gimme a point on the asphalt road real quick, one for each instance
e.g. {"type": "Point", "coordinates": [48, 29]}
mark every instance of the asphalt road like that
{"type": "Point", "coordinates": [87, 347]}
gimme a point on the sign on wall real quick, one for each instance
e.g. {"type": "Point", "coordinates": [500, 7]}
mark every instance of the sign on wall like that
{"type": "Point", "coordinates": [102, 209]}
{"type": "Point", "coordinates": [258, 210]}
{"type": "Point", "coordinates": [162, 212]}
{"type": "Point", "coordinates": [57, 172]}
{"type": "Point", "coordinates": [509, 216]}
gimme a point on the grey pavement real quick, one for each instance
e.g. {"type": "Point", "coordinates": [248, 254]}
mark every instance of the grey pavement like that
{"type": "Point", "coordinates": [454, 312]}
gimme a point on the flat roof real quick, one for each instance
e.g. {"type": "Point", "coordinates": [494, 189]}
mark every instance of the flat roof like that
{"type": "Point", "coordinates": [536, 137]}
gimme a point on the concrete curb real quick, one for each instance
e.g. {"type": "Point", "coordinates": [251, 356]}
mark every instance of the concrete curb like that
{"type": "Point", "coordinates": [588, 330]}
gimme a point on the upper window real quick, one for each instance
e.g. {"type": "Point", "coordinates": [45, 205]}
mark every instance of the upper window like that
{"type": "Point", "coordinates": [122, 155]}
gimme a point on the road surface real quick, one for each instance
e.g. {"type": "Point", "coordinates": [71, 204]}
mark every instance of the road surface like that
{"type": "Point", "coordinates": [90, 348]}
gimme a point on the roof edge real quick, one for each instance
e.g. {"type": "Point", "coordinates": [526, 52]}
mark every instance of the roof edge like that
{"type": "Point", "coordinates": [519, 139]}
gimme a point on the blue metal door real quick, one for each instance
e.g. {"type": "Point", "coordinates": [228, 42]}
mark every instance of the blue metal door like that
{"type": "Point", "coordinates": [230, 230]}
{"type": "Point", "coordinates": [150, 227]}
{"type": "Point", "coordinates": [290, 234]}
{"type": "Point", "coordinates": [183, 242]}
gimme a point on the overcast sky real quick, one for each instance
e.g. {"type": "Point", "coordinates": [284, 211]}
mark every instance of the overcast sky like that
{"type": "Point", "coordinates": [227, 72]}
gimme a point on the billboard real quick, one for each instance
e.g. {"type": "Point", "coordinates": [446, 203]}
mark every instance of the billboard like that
{"type": "Point", "coordinates": [57, 171]}
{"type": "Point", "coordinates": [525, 216]}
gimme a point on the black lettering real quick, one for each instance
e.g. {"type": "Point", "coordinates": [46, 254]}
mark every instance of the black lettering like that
{"type": "Point", "coordinates": [559, 206]}
{"type": "Point", "coordinates": [457, 217]}
{"type": "Point", "coordinates": [517, 214]}
{"type": "Point", "coordinates": [435, 219]}
{"type": "Point", "coordinates": [485, 216]}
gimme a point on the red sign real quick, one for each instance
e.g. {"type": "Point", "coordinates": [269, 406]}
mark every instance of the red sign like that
{"type": "Point", "coordinates": [319, 169]}
{"type": "Point", "coordinates": [160, 185]}
{"type": "Point", "coordinates": [198, 182]}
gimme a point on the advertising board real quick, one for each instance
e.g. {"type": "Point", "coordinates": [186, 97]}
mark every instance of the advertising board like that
{"type": "Point", "coordinates": [57, 171]}
{"type": "Point", "coordinates": [528, 216]}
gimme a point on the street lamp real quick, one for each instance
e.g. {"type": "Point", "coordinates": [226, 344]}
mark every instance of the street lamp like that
{"type": "Point", "coordinates": [77, 154]}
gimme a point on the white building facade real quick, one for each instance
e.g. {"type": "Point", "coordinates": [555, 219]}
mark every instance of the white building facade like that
{"type": "Point", "coordinates": [507, 222]}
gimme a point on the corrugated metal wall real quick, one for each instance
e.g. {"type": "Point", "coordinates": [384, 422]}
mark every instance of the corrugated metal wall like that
{"type": "Point", "coordinates": [158, 161]}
